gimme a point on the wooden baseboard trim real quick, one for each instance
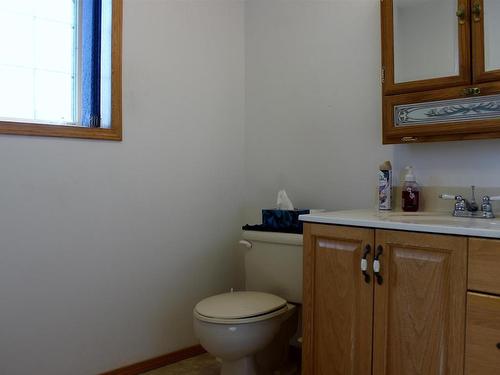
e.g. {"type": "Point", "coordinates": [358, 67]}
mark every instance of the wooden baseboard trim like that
{"type": "Point", "coordinates": [157, 362]}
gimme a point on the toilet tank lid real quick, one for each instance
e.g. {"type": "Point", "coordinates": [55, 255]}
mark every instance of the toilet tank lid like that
{"type": "Point", "coordinates": [239, 305]}
{"type": "Point", "coordinates": [273, 237]}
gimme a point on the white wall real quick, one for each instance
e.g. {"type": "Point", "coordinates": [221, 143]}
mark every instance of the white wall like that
{"type": "Point", "coordinates": [105, 247]}
{"type": "Point", "coordinates": [453, 163]}
{"type": "Point", "coordinates": [313, 110]}
{"type": "Point", "coordinates": [313, 103]}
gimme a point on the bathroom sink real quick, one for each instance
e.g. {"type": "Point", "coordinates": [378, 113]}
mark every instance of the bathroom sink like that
{"type": "Point", "coordinates": [438, 218]}
{"type": "Point", "coordinates": [427, 222]}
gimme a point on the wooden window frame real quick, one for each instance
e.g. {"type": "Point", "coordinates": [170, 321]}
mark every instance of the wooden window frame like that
{"type": "Point", "coordinates": [114, 133]}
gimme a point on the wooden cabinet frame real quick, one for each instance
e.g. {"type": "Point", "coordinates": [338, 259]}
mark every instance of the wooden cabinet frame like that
{"type": "Point", "coordinates": [478, 51]}
{"type": "Point", "coordinates": [442, 132]}
{"type": "Point", "coordinates": [391, 88]}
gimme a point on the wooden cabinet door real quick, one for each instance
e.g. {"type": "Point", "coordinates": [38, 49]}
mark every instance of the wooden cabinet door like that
{"type": "Point", "coordinates": [420, 307]}
{"type": "Point", "coordinates": [425, 46]}
{"type": "Point", "coordinates": [484, 266]}
{"type": "Point", "coordinates": [338, 301]}
{"type": "Point", "coordinates": [485, 40]}
{"type": "Point", "coordinates": [483, 335]}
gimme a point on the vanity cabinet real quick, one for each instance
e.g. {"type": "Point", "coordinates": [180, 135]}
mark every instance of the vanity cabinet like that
{"type": "Point", "coordinates": [440, 70]}
{"type": "Point", "coordinates": [407, 319]}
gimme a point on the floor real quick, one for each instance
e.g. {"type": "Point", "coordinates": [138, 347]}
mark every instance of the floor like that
{"type": "Point", "coordinates": [203, 364]}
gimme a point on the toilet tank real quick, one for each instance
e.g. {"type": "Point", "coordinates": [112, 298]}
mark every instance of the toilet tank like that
{"type": "Point", "coordinates": [273, 264]}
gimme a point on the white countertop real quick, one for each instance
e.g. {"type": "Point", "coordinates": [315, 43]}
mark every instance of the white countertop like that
{"type": "Point", "coordinates": [430, 222]}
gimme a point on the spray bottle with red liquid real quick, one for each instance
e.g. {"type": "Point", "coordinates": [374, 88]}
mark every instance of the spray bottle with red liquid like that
{"type": "Point", "coordinates": [410, 192]}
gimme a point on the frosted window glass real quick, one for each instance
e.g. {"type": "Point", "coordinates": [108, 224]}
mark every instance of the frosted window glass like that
{"type": "Point", "coordinates": [16, 94]}
{"type": "Point", "coordinates": [59, 10]}
{"type": "Point", "coordinates": [53, 96]}
{"type": "Point", "coordinates": [38, 60]}
{"type": "Point", "coordinates": [16, 39]}
{"type": "Point", "coordinates": [18, 6]}
{"type": "Point", "coordinates": [53, 46]}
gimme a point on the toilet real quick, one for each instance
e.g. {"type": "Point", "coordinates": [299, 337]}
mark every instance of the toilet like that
{"type": "Point", "coordinates": [248, 331]}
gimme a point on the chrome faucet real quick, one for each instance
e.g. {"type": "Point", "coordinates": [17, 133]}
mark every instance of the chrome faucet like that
{"type": "Point", "coordinates": [473, 207]}
{"type": "Point", "coordinates": [487, 208]}
{"type": "Point", "coordinates": [465, 208]}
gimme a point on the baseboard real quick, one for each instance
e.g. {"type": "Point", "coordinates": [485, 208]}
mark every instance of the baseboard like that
{"type": "Point", "coordinates": [157, 362]}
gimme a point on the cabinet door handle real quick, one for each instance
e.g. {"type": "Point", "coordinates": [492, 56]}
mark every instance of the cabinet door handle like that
{"type": "Point", "coordinates": [476, 11]}
{"type": "Point", "coordinates": [498, 345]}
{"type": "Point", "coordinates": [364, 263]}
{"type": "Point", "coordinates": [472, 91]}
{"type": "Point", "coordinates": [376, 265]}
{"type": "Point", "coordinates": [461, 15]}
{"type": "Point", "coordinates": [409, 139]}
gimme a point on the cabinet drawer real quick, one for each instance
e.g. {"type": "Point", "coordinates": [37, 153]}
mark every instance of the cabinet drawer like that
{"type": "Point", "coordinates": [484, 263]}
{"type": "Point", "coordinates": [482, 351]}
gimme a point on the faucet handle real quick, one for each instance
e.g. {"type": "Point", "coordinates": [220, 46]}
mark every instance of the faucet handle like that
{"type": "Point", "coordinates": [487, 199]}
{"type": "Point", "coordinates": [486, 206]}
{"type": "Point", "coordinates": [450, 197]}
{"type": "Point", "coordinates": [460, 203]}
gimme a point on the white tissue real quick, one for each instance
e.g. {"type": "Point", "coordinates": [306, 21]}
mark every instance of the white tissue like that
{"type": "Point", "coordinates": [283, 202]}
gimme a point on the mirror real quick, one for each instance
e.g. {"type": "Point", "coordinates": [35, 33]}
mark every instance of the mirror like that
{"type": "Point", "coordinates": [491, 35]}
{"type": "Point", "coordinates": [426, 39]}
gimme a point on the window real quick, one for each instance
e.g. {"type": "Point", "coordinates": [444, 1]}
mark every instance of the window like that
{"type": "Point", "coordinates": [60, 68]}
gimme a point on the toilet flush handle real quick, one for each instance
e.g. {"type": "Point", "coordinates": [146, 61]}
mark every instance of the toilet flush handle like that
{"type": "Point", "coordinates": [246, 243]}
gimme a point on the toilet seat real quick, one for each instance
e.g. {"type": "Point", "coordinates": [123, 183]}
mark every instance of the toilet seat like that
{"type": "Point", "coordinates": [240, 308]}
{"type": "Point", "coordinates": [236, 321]}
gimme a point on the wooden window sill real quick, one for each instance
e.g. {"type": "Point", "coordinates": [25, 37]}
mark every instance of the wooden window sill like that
{"type": "Point", "coordinates": [113, 134]}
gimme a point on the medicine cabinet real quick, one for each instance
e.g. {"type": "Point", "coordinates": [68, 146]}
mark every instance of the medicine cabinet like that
{"type": "Point", "coordinates": [440, 70]}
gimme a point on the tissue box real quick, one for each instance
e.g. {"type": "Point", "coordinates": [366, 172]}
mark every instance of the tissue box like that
{"type": "Point", "coordinates": [283, 220]}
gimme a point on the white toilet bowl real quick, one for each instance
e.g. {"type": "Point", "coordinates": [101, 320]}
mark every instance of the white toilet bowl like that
{"type": "Point", "coordinates": [235, 326]}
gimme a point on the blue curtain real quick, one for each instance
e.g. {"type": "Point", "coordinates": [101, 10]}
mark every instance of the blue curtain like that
{"type": "Point", "coordinates": [91, 63]}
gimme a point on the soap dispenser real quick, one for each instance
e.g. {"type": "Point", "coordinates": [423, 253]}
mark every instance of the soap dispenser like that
{"type": "Point", "coordinates": [410, 192]}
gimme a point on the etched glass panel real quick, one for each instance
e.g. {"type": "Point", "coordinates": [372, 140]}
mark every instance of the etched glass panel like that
{"type": "Point", "coordinates": [447, 111]}
{"type": "Point", "coordinates": [425, 39]}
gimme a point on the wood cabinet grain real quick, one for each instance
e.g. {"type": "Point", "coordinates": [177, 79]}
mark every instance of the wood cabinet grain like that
{"type": "Point", "coordinates": [411, 321]}
{"type": "Point", "coordinates": [338, 303]}
{"type": "Point", "coordinates": [483, 335]}
{"type": "Point", "coordinates": [419, 323]}
{"type": "Point", "coordinates": [484, 265]}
